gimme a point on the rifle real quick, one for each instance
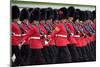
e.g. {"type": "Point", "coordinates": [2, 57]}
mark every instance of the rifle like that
{"type": "Point", "coordinates": [51, 26]}
{"type": "Point", "coordinates": [87, 27]}
{"type": "Point", "coordinates": [67, 29]}
{"type": "Point", "coordinates": [21, 27]}
{"type": "Point", "coordinates": [76, 28]}
{"type": "Point", "coordinates": [27, 25]}
{"type": "Point", "coordinates": [41, 32]}
{"type": "Point", "coordinates": [47, 28]}
{"type": "Point", "coordinates": [93, 30]}
{"type": "Point", "coordinates": [82, 31]}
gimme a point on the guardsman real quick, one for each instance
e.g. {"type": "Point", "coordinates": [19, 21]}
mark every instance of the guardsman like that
{"type": "Point", "coordinates": [35, 39]}
{"type": "Point", "coordinates": [72, 35]}
{"type": "Point", "coordinates": [52, 44]}
{"type": "Point", "coordinates": [94, 26]}
{"type": "Point", "coordinates": [60, 34]}
{"type": "Point", "coordinates": [26, 26]}
{"type": "Point", "coordinates": [94, 19]}
{"type": "Point", "coordinates": [90, 33]}
{"type": "Point", "coordinates": [84, 36]}
{"type": "Point", "coordinates": [49, 23]}
{"type": "Point", "coordinates": [16, 35]}
{"type": "Point", "coordinates": [44, 34]}
{"type": "Point", "coordinates": [78, 33]}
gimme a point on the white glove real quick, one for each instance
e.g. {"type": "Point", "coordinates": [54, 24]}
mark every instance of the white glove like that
{"type": "Point", "coordinates": [46, 42]}
{"type": "Point", "coordinates": [72, 34]}
{"type": "Point", "coordinates": [19, 22]}
{"type": "Point", "coordinates": [20, 45]}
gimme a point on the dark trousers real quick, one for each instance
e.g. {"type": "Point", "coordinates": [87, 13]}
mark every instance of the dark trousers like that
{"type": "Point", "coordinates": [25, 54]}
{"type": "Point", "coordinates": [46, 54]}
{"type": "Point", "coordinates": [80, 54]}
{"type": "Point", "coordinates": [36, 57]}
{"type": "Point", "coordinates": [93, 48]}
{"type": "Point", "coordinates": [84, 54]}
{"type": "Point", "coordinates": [90, 53]}
{"type": "Point", "coordinates": [53, 53]}
{"type": "Point", "coordinates": [63, 55]}
{"type": "Point", "coordinates": [18, 61]}
{"type": "Point", "coordinates": [74, 53]}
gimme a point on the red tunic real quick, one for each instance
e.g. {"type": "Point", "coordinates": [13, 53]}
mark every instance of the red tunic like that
{"type": "Point", "coordinates": [93, 37]}
{"type": "Point", "coordinates": [84, 40]}
{"type": "Point", "coordinates": [34, 35]}
{"type": "Point", "coordinates": [60, 36]}
{"type": "Point", "coordinates": [16, 34]}
{"type": "Point", "coordinates": [80, 41]}
{"type": "Point", "coordinates": [78, 37]}
{"type": "Point", "coordinates": [27, 29]}
{"type": "Point", "coordinates": [94, 25]}
{"type": "Point", "coordinates": [72, 38]}
{"type": "Point", "coordinates": [45, 34]}
{"type": "Point", "coordinates": [52, 41]}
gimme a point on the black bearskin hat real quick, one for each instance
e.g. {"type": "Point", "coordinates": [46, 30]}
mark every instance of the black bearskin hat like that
{"type": "Point", "coordinates": [43, 14]}
{"type": "Point", "coordinates": [15, 12]}
{"type": "Point", "coordinates": [77, 14]}
{"type": "Point", "coordinates": [30, 10]}
{"type": "Point", "coordinates": [82, 16]}
{"type": "Point", "coordinates": [35, 15]}
{"type": "Point", "coordinates": [88, 15]}
{"type": "Point", "coordinates": [24, 14]}
{"type": "Point", "coordinates": [55, 14]}
{"type": "Point", "coordinates": [94, 14]}
{"type": "Point", "coordinates": [64, 13]}
{"type": "Point", "coordinates": [71, 11]}
{"type": "Point", "coordinates": [49, 13]}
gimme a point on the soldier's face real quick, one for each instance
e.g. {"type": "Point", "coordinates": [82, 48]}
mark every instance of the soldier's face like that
{"type": "Point", "coordinates": [26, 20]}
{"type": "Point", "coordinates": [94, 21]}
{"type": "Point", "coordinates": [63, 20]}
{"type": "Point", "coordinates": [60, 12]}
{"type": "Point", "coordinates": [15, 20]}
{"type": "Point", "coordinates": [42, 21]}
{"type": "Point", "coordinates": [35, 22]}
{"type": "Point", "coordinates": [70, 18]}
{"type": "Point", "coordinates": [56, 22]}
{"type": "Point", "coordinates": [49, 21]}
{"type": "Point", "coordinates": [77, 20]}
